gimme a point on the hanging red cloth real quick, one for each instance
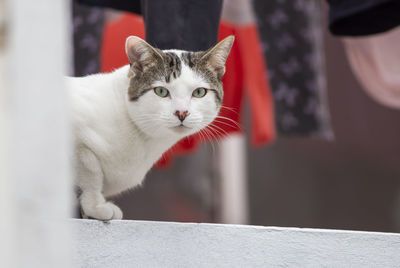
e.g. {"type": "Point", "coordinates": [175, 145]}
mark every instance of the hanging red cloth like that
{"type": "Point", "coordinates": [245, 70]}
{"type": "Point", "coordinates": [256, 84]}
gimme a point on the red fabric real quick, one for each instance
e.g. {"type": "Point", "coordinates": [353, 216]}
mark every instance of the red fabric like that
{"type": "Point", "coordinates": [245, 69]}
{"type": "Point", "coordinates": [256, 84]}
{"type": "Point", "coordinates": [115, 33]}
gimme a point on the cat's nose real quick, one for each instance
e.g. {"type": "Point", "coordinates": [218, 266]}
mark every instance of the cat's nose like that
{"type": "Point", "coordinates": [181, 115]}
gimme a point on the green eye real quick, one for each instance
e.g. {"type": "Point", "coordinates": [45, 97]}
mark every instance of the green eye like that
{"type": "Point", "coordinates": [161, 91]}
{"type": "Point", "coordinates": [199, 92]}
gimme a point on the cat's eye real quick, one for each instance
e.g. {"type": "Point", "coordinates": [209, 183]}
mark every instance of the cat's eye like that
{"type": "Point", "coordinates": [199, 92]}
{"type": "Point", "coordinates": [161, 91]}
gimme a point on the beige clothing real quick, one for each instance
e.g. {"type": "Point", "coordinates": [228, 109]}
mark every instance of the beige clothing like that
{"type": "Point", "coordinates": [375, 61]}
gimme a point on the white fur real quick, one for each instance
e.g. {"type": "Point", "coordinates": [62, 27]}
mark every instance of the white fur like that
{"type": "Point", "coordinates": [117, 141]}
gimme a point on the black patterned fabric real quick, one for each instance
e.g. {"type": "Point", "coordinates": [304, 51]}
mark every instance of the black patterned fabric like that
{"type": "Point", "coordinates": [363, 17]}
{"type": "Point", "coordinates": [291, 36]}
{"type": "Point", "coordinates": [183, 24]}
{"type": "Point", "coordinates": [87, 23]}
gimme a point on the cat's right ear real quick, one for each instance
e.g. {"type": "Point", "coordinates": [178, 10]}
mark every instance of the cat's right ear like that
{"type": "Point", "coordinates": [141, 55]}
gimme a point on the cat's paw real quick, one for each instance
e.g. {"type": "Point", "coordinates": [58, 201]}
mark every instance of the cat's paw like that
{"type": "Point", "coordinates": [104, 212]}
{"type": "Point", "coordinates": [117, 212]}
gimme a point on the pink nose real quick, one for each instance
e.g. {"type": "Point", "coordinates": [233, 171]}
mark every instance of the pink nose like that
{"type": "Point", "coordinates": [181, 115]}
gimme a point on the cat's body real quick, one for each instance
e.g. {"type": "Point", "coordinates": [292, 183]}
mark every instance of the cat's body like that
{"type": "Point", "coordinates": [102, 125]}
{"type": "Point", "coordinates": [125, 120]}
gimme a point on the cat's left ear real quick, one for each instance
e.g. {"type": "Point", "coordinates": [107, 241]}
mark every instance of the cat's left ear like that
{"type": "Point", "coordinates": [217, 55]}
{"type": "Point", "coordinates": [141, 55]}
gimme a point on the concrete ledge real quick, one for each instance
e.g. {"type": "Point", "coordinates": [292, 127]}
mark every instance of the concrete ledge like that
{"type": "Point", "coordinates": [168, 244]}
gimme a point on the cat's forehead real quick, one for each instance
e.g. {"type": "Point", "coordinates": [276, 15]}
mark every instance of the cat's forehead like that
{"type": "Point", "coordinates": [181, 73]}
{"type": "Point", "coordinates": [185, 65]}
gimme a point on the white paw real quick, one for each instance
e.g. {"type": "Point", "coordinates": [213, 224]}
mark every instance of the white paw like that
{"type": "Point", "coordinates": [117, 215]}
{"type": "Point", "coordinates": [105, 212]}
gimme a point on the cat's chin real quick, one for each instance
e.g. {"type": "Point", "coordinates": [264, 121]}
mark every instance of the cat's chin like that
{"type": "Point", "coordinates": [174, 133]}
{"type": "Point", "coordinates": [182, 130]}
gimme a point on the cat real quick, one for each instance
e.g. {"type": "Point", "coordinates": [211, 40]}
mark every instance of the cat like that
{"type": "Point", "coordinates": [125, 120]}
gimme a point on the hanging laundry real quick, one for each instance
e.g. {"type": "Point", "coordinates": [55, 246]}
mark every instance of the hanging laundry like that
{"type": "Point", "coordinates": [363, 17]}
{"type": "Point", "coordinates": [375, 60]}
{"type": "Point", "coordinates": [291, 35]}
{"type": "Point", "coordinates": [167, 22]}
{"type": "Point", "coordinates": [239, 15]}
{"type": "Point", "coordinates": [182, 24]}
{"type": "Point", "coordinates": [87, 26]}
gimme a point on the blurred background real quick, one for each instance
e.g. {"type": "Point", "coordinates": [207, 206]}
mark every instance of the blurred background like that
{"type": "Point", "coordinates": [342, 172]}
{"type": "Point", "coordinates": [310, 135]}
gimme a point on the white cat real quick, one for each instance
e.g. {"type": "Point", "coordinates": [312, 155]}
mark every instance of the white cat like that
{"type": "Point", "coordinates": [125, 120]}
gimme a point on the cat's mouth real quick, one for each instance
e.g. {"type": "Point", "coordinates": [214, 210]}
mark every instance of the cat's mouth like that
{"type": "Point", "coordinates": [180, 128]}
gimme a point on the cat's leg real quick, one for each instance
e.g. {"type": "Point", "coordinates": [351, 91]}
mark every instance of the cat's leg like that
{"type": "Point", "coordinates": [90, 181]}
{"type": "Point", "coordinates": [95, 206]}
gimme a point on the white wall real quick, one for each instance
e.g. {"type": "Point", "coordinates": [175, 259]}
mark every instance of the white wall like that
{"type": "Point", "coordinates": [166, 244]}
{"type": "Point", "coordinates": [5, 222]}
{"type": "Point", "coordinates": [35, 176]}
{"type": "Point", "coordinates": [233, 180]}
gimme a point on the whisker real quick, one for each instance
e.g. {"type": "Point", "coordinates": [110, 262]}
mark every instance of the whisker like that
{"type": "Point", "coordinates": [229, 119]}
{"type": "Point", "coordinates": [220, 128]}
{"type": "Point", "coordinates": [204, 130]}
{"type": "Point", "coordinates": [230, 109]}
{"type": "Point", "coordinates": [217, 133]}
{"type": "Point", "coordinates": [212, 134]}
{"type": "Point", "coordinates": [227, 124]}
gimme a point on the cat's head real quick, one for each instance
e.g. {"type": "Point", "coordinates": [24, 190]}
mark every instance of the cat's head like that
{"type": "Point", "coordinates": [174, 93]}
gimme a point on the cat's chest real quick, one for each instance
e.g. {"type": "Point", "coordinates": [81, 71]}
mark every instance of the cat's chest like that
{"type": "Point", "coordinates": [129, 162]}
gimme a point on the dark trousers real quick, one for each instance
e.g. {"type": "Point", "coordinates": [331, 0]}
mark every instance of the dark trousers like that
{"type": "Point", "coordinates": [180, 24]}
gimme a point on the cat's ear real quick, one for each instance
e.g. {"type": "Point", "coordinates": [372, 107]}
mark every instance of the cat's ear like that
{"type": "Point", "coordinates": [141, 55]}
{"type": "Point", "coordinates": [217, 55]}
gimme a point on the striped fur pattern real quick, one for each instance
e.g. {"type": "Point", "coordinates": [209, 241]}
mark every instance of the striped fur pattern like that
{"type": "Point", "coordinates": [157, 65]}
